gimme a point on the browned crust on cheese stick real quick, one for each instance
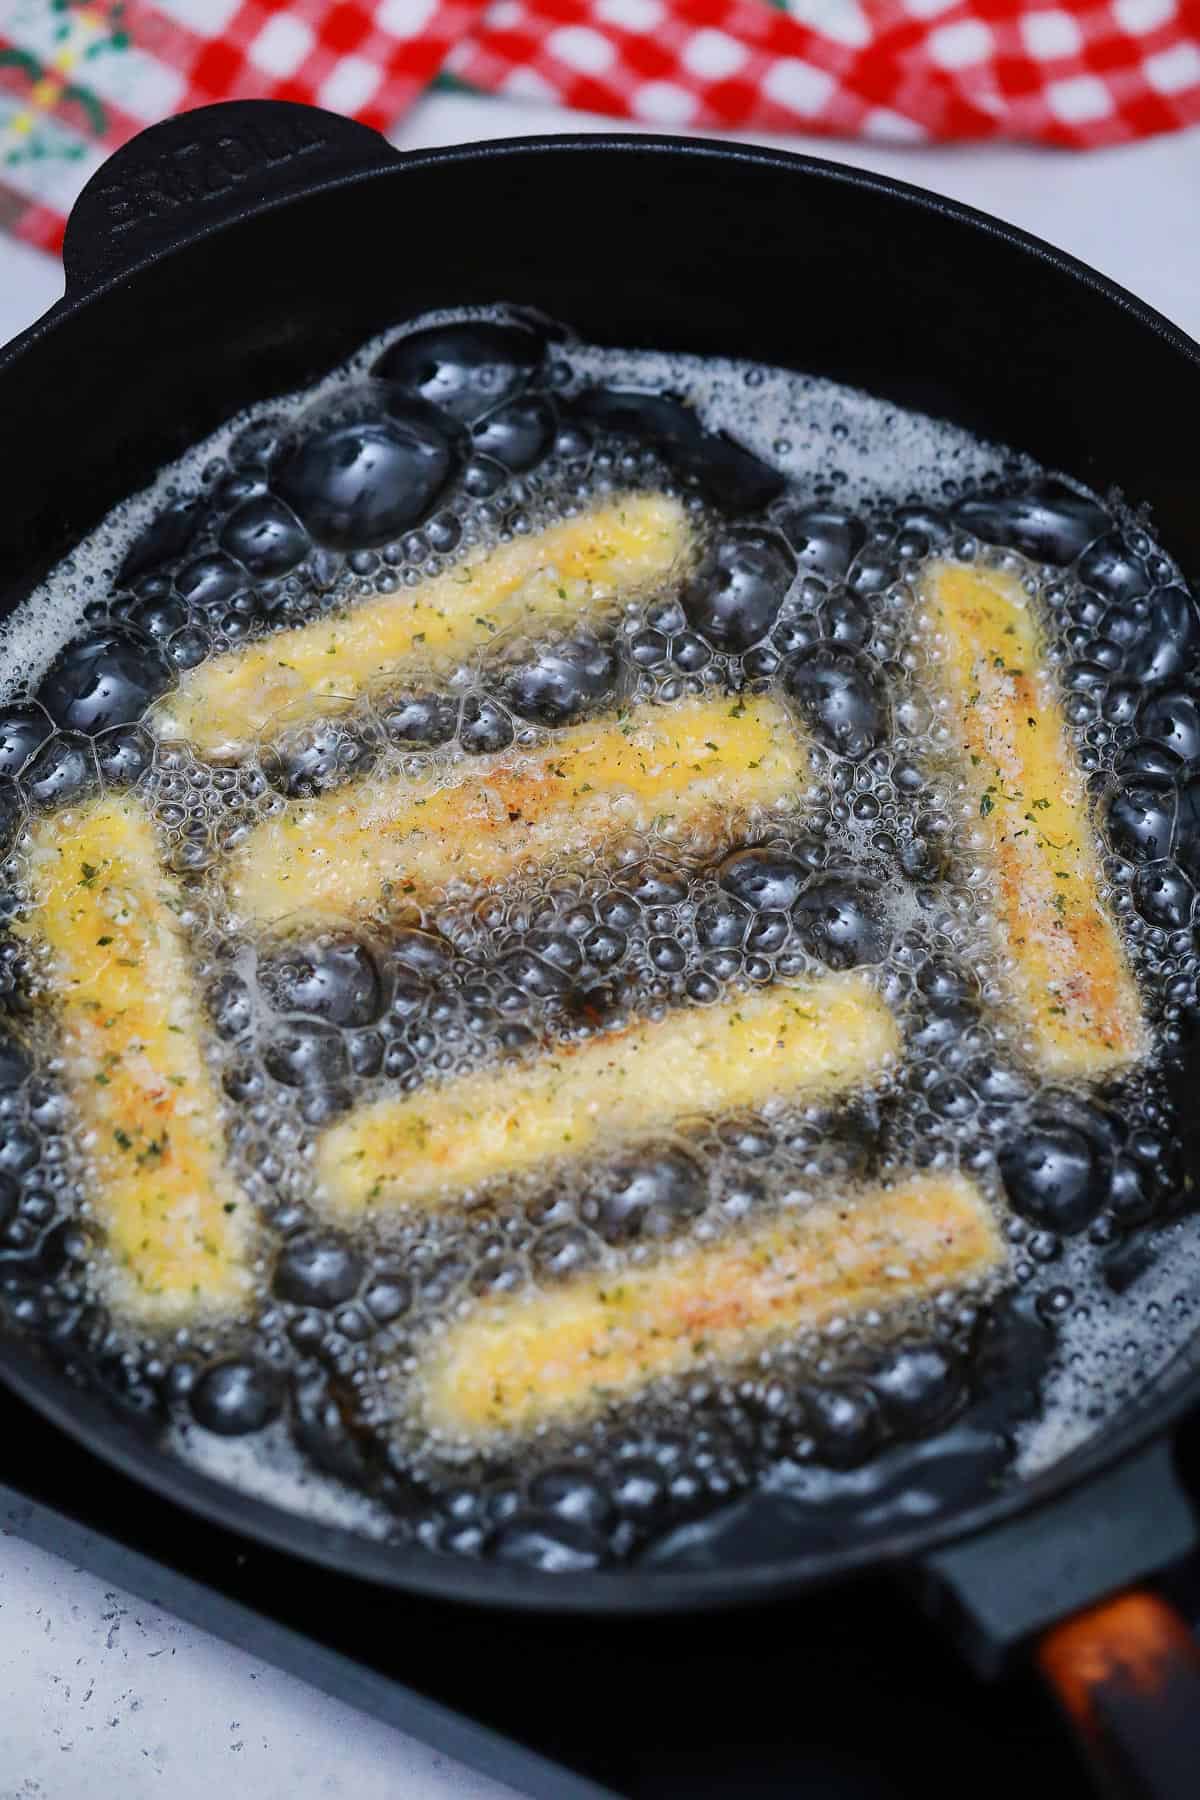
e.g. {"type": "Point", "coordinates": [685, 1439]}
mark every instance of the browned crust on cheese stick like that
{"type": "Point", "coordinates": [706, 763]}
{"type": "Point", "coordinates": [518, 1361]}
{"type": "Point", "coordinates": [616, 549]}
{"type": "Point", "coordinates": [427, 1148]}
{"type": "Point", "coordinates": [177, 1231]}
{"type": "Point", "coordinates": [1071, 988]}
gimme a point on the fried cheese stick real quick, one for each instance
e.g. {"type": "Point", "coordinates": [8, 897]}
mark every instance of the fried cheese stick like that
{"type": "Point", "coordinates": [104, 910]}
{"type": "Point", "coordinates": [1072, 990]}
{"type": "Point", "coordinates": [617, 549]}
{"type": "Point", "coordinates": [520, 1360]}
{"type": "Point", "coordinates": [799, 1039]}
{"type": "Point", "coordinates": [706, 762]}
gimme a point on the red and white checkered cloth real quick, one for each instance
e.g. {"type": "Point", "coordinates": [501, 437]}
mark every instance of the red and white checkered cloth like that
{"type": "Point", "coordinates": [78, 77]}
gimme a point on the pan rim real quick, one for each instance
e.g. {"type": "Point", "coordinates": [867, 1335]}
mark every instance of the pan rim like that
{"type": "Point", "coordinates": [395, 162]}
{"type": "Point", "coordinates": [95, 1424]}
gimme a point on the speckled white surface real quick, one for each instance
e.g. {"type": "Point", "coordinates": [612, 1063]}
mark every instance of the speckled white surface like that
{"type": "Point", "coordinates": [105, 1695]}
{"type": "Point", "coordinates": [102, 1694]}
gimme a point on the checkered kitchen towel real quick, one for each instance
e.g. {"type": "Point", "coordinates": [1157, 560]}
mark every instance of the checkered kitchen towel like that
{"type": "Point", "coordinates": [78, 77]}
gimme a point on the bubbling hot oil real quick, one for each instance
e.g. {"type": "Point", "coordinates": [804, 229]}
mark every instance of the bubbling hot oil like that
{"type": "Point", "coordinates": [813, 533]}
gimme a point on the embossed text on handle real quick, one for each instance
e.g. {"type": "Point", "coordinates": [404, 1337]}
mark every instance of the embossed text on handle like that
{"type": "Point", "coordinates": [200, 170]}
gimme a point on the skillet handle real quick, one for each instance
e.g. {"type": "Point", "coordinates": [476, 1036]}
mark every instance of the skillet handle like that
{"type": "Point", "coordinates": [1127, 1675]}
{"type": "Point", "coordinates": [191, 174]}
{"type": "Point", "coordinates": [1000, 1591]}
{"type": "Point", "coordinates": [1061, 1583]}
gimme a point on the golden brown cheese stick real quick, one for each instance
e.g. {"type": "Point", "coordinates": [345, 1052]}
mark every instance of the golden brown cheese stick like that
{"type": "Point", "coordinates": [800, 1039]}
{"type": "Point", "coordinates": [617, 549]}
{"type": "Point", "coordinates": [522, 1360]}
{"type": "Point", "coordinates": [1072, 991]}
{"type": "Point", "coordinates": [707, 762]}
{"type": "Point", "coordinates": [102, 908]}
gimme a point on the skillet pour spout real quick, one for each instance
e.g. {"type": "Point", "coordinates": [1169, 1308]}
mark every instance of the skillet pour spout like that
{"type": "Point", "coordinates": [229, 254]}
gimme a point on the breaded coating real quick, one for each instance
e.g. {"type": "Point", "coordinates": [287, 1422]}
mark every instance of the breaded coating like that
{"type": "Point", "coordinates": [617, 549]}
{"type": "Point", "coordinates": [796, 1040]}
{"type": "Point", "coordinates": [706, 763]}
{"type": "Point", "coordinates": [1072, 991]}
{"type": "Point", "coordinates": [177, 1230]}
{"type": "Point", "coordinates": [519, 1360]}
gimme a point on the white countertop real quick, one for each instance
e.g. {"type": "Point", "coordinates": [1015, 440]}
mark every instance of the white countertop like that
{"type": "Point", "coordinates": [104, 1694]}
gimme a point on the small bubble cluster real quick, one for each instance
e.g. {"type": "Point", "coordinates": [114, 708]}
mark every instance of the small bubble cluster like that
{"type": "Point", "coordinates": [815, 507]}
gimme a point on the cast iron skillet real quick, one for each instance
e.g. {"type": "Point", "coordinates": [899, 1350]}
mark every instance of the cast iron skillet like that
{"type": "Point", "coordinates": [232, 253]}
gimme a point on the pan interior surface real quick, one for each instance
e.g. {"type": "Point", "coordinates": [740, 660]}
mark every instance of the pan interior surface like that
{"type": "Point", "coordinates": [832, 1498]}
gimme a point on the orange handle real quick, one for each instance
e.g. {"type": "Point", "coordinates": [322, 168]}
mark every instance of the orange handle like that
{"type": "Point", "coordinates": [1127, 1675]}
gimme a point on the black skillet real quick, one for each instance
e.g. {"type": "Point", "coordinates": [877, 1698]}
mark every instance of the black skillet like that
{"type": "Point", "coordinates": [232, 253]}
